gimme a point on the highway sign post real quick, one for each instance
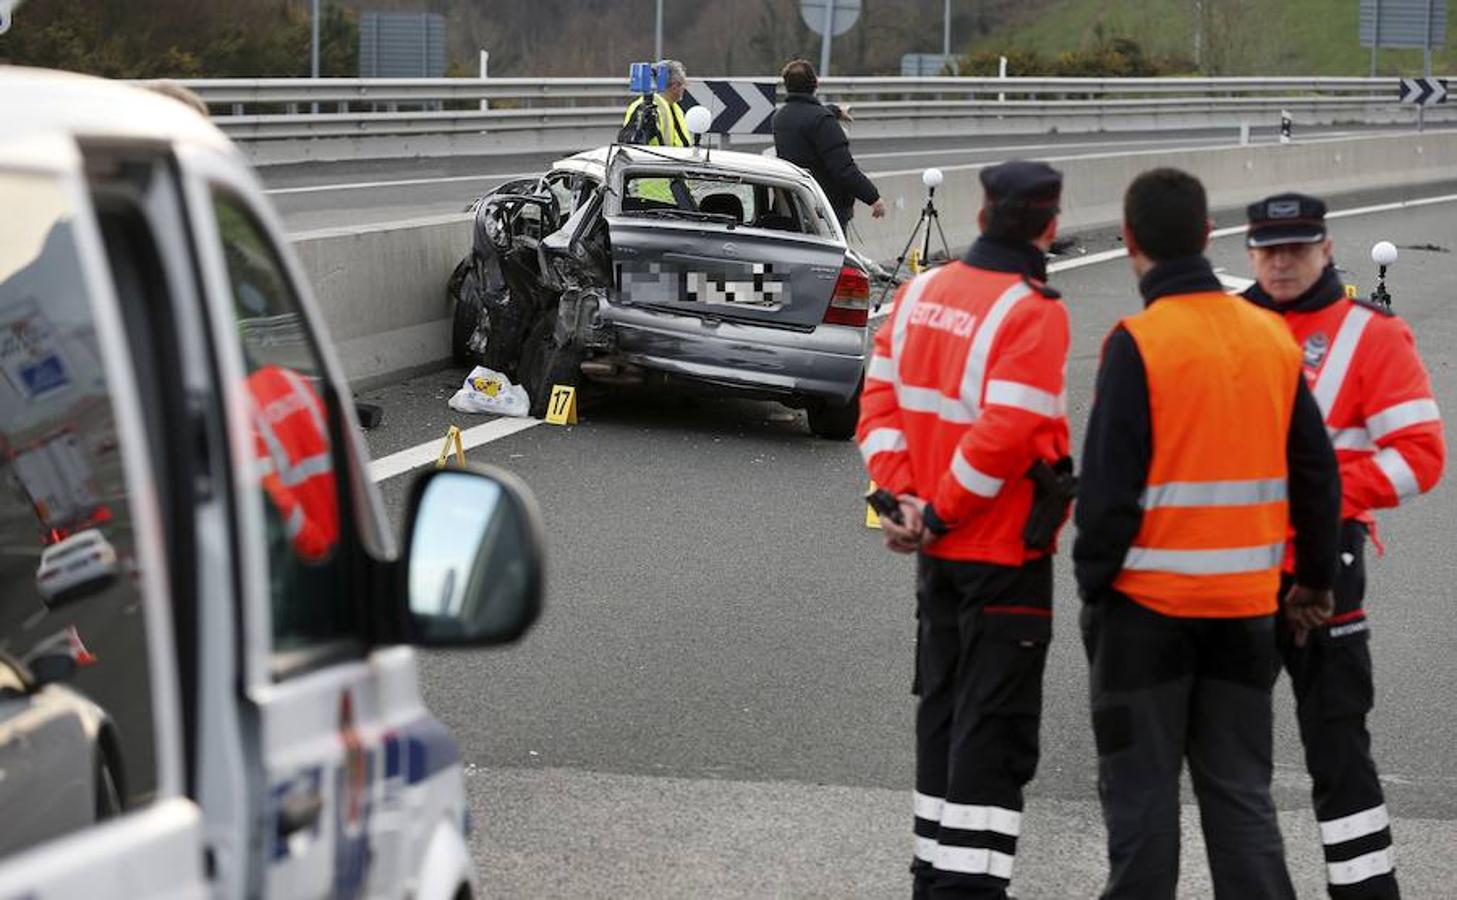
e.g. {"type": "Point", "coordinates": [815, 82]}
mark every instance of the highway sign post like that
{"type": "Point", "coordinates": [1405, 23]}
{"type": "Point", "coordinates": [828, 19]}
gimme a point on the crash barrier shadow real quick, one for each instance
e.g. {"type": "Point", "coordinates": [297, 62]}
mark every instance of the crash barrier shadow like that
{"type": "Point", "coordinates": [382, 288]}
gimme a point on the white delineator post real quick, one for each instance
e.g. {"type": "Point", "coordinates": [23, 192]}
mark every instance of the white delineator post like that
{"type": "Point", "coordinates": [1001, 73]}
{"type": "Point", "coordinates": [485, 72]}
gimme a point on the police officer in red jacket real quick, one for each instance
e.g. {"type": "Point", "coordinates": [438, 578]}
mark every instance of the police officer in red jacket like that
{"type": "Point", "coordinates": [1364, 371]}
{"type": "Point", "coordinates": [964, 396]}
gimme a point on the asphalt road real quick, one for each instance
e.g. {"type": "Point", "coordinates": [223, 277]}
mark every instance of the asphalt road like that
{"type": "Point", "coordinates": [327, 195]}
{"type": "Point", "coordinates": [716, 701]}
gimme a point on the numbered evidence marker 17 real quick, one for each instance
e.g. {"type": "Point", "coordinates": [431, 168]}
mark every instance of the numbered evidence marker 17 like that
{"type": "Point", "coordinates": [871, 519]}
{"type": "Point", "coordinates": [561, 408]}
{"type": "Point", "coordinates": [451, 437]}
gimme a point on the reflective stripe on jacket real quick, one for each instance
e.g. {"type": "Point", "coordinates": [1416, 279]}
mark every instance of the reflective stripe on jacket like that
{"type": "Point", "coordinates": [293, 452]}
{"type": "Point", "coordinates": [1363, 368]}
{"type": "Point", "coordinates": [1222, 380]}
{"type": "Point", "coordinates": [965, 391]}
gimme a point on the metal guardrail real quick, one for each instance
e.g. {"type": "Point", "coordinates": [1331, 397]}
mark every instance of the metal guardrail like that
{"type": "Point", "coordinates": [289, 109]}
{"type": "Point", "coordinates": [366, 91]}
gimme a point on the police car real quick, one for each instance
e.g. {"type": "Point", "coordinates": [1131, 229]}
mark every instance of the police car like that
{"type": "Point", "coordinates": [243, 717]}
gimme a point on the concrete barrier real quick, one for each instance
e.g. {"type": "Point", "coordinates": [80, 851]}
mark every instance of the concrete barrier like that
{"type": "Point", "coordinates": [1233, 176]}
{"type": "Point", "coordinates": [382, 288]}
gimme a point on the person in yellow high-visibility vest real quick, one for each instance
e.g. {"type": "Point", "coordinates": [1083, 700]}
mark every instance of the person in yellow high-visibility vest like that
{"type": "Point", "coordinates": [672, 128]}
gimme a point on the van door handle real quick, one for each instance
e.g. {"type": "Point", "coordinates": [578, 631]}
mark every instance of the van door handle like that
{"type": "Point", "coordinates": [299, 811]}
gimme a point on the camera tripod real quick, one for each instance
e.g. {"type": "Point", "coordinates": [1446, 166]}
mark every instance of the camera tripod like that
{"type": "Point", "coordinates": [929, 216]}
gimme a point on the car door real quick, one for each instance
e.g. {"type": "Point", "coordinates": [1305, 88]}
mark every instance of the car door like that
{"type": "Point", "coordinates": [67, 368]}
{"type": "Point", "coordinates": [327, 708]}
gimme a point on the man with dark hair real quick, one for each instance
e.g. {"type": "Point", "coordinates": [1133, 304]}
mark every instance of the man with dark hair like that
{"type": "Point", "coordinates": [808, 134]}
{"type": "Point", "coordinates": [1363, 367]}
{"type": "Point", "coordinates": [1203, 448]}
{"type": "Point", "coordinates": [964, 419]}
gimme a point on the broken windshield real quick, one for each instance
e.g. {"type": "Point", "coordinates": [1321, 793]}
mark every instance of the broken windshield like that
{"type": "Point", "coordinates": [725, 198]}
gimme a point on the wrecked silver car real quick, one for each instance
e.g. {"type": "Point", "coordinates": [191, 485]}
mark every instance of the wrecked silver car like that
{"type": "Point", "coordinates": [676, 266]}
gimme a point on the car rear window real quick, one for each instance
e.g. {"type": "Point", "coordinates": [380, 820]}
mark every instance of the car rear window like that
{"type": "Point", "coordinates": [727, 200]}
{"type": "Point", "coordinates": [75, 549]}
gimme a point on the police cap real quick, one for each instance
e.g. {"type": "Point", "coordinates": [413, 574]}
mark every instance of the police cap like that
{"type": "Point", "coordinates": [1021, 182]}
{"type": "Point", "coordinates": [1286, 219]}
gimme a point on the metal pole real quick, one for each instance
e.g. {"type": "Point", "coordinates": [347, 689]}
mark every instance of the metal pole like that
{"type": "Point", "coordinates": [825, 38]}
{"type": "Point", "coordinates": [1199, 35]}
{"type": "Point", "coordinates": [658, 34]}
{"type": "Point", "coordinates": [314, 47]}
{"type": "Point", "coordinates": [1375, 37]}
{"type": "Point", "coordinates": [1426, 65]}
{"type": "Point", "coordinates": [946, 31]}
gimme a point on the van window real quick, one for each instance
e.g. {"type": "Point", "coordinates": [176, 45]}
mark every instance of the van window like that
{"type": "Point", "coordinates": [79, 749]}
{"type": "Point", "coordinates": [294, 455]}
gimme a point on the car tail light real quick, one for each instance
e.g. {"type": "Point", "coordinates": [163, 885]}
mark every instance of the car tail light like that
{"type": "Point", "coordinates": [850, 304]}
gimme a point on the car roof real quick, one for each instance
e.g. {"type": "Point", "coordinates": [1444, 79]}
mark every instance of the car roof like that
{"type": "Point", "coordinates": [728, 160]}
{"type": "Point", "coordinates": [41, 101]}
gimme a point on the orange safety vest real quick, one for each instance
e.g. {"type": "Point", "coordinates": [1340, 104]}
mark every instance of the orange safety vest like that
{"type": "Point", "coordinates": [291, 443]}
{"type": "Point", "coordinates": [1222, 377]}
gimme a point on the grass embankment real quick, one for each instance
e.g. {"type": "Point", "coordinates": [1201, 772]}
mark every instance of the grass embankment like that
{"type": "Point", "coordinates": [1241, 37]}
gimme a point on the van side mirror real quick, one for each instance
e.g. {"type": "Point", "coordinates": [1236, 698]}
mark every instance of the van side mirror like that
{"type": "Point", "coordinates": [474, 569]}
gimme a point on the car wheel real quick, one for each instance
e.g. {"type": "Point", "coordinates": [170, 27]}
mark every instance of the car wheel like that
{"type": "Point", "coordinates": [108, 794]}
{"type": "Point", "coordinates": [467, 313]}
{"type": "Point", "coordinates": [835, 421]}
{"type": "Point", "coordinates": [544, 364]}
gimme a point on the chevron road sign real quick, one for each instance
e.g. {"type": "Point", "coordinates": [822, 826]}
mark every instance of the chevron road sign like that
{"type": "Point", "coordinates": [1423, 91]}
{"type": "Point", "coordinates": [739, 106]}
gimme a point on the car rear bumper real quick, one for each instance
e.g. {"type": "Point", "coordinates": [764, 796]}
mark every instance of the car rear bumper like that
{"type": "Point", "coordinates": [824, 364]}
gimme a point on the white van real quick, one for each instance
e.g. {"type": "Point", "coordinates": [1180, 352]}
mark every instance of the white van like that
{"type": "Point", "coordinates": [235, 711]}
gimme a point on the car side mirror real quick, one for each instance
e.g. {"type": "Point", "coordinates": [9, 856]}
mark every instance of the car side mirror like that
{"type": "Point", "coordinates": [51, 667]}
{"type": "Point", "coordinates": [474, 569]}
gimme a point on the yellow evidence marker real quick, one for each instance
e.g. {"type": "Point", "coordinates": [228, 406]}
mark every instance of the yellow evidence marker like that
{"type": "Point", "coordinates": [451, 437]}
{"type": "Point", "coordinates": [872, 520]}
{"type": "Point", "coordinates": [561, 408]}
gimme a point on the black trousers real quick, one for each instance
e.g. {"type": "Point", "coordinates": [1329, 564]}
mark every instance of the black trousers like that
{"type": "Point", "coordinates": [1164, 690]}
{"type": "Point", "coordinates": [980, 653]}
{"type": "Point", "coordinates": [1332, 681]}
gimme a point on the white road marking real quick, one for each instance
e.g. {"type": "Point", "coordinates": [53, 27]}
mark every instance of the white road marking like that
{"type": "Point", "coordinates": [1234, 282]}
{"type": "Point", "coordinates": [1230, 281]}
{"type": "Point", "coordinates": [1152, 151]}
{"type": "Point", "coordinates": [428, 452]}
{"type": "Point", "coordinates": [1192, 142]}
{"type": "Point", "coordinates": [1212, 141]}
{"type": "Point", "coordinates": [34, 619]}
